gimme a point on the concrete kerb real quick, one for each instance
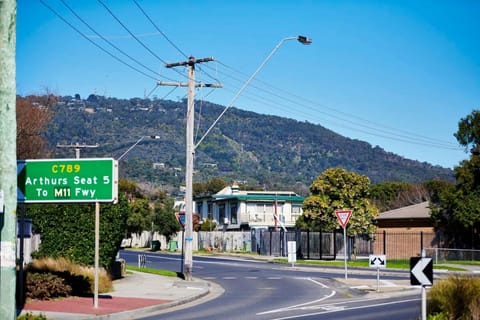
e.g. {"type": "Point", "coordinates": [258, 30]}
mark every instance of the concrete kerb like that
{"type": "Point", "coordinates": [173, 291]}
{"type": "Point", "coordinates": [203, 291]}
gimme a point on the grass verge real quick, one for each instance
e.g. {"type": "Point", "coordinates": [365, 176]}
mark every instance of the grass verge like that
{"type": "Point", "coordinates": [166, 273]}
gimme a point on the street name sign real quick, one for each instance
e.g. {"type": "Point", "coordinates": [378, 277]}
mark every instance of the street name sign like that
{"type": "Point", "coordinates": [421, 271]}
{"type": "Point", "coordinates": [378, 261]}
{"type": "Point", "coordinates": [67, 180]}
{"type": "Point", "coordinates": [343, 216]}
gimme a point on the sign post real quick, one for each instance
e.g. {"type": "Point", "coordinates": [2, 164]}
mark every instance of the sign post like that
{"type": "Point", "coordinates": [68, 181]}
{"type": "Point", "coordinates": [421, 273]}
{"type": "Point", "coordinates": [379, 262]}
{"type": "Point", "coordinates": [181, 219]}
{"type": "Point", "coordinates": [343, 216]}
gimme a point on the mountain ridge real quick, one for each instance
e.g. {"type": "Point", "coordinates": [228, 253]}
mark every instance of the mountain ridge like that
{"type": "Point", "coordinates": [262, 150]}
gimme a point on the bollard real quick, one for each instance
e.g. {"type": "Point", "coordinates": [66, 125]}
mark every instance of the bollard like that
{"type": "Point", "coordinates": [142, 260]}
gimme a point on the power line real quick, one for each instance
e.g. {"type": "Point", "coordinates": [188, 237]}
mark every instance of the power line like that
{"type": "Point", "coordinates": [109, 42]}
{"type": "Point", "coordinates": [389, 133]}
{"type": "Point", "coordinates": [160, 31]}
{"type": "Point", "coordinates": [134, 36]}
{"type": "Point", "coordinates": [168, 39]}
{"type": "Point", "coordinates": [95, 44]}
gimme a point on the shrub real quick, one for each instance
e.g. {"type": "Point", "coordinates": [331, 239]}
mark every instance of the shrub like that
{"type": "Point", "coordinates": [79, 278]}
{"type": "Point", "coordinates": [456, 297]}
{"type": "Point", "coordinates": [46, 286]}
{"type": "Point", "coordinates": [31, 316]}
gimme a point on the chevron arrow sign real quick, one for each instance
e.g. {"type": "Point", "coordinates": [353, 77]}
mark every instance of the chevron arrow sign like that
{"type": "Point", "coordinates": [421, 271]}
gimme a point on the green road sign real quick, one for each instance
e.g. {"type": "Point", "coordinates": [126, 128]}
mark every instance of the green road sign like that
{"type": "Point", "coordinates": [67, 180]}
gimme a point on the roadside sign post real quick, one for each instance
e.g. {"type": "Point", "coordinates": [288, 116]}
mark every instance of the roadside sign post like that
{"type": "Point", "coordinates": [181, 219]}
{"type": "Point", "coordinates": [378, 262]}
{"type": "Point", "coordinates": [76, 180]}
{"type": "Point", "coordinates": [343, 216]}
{"type": "Point", "coordinates": [421, 273]}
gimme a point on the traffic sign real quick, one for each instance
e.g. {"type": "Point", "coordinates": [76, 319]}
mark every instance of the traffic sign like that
{"type": "Point", "coordinates": [181, 218]}
{"type": "Point", "coordinates": [378, 261]}
{"type": "Point", "coordinates": [343, 216]}
{"type": "Point", "coordinates": [421, 271]}
{"type": "Point", "coordinates": [67, 180]}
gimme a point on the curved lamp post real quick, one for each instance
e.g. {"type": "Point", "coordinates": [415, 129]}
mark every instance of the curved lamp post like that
{"type": "Point", "coordinates": [191, 150]}
{"type": "Point", "coordinates": [302, 39]}
{"type": "Point", "coordinates": [135, 144]}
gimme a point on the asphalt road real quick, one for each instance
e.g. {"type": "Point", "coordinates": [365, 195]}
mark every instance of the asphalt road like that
{"type": "Point", "coordinates": [251, 289]}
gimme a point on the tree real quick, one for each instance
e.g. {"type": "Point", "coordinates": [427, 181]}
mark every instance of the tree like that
{"type": "Point", "coordinates": [215, 185]}
{"type": "Point", "coordinates": [140, 216]}
{"type": "Point", "coordinates": [458, 209]}
{"type": "Point", "coordinates": [164, 219]}
{"type": "Point", "coordinates": [208, 188]}
{"type": "Point", "coordinates": [392, 195]}
{"type": "Point", "coordinates": [33, 116]}
{"type": "Point", "coordinates": [468, 134]}
{"type": "Point", "coordinates": [337, 189]}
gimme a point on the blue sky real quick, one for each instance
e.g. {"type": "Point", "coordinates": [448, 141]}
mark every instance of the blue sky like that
{"type": "Point", "coordinates": [397, 74]}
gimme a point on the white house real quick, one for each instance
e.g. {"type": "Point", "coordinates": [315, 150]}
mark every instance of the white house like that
{"type": "Point", "coordinates": [232, 208]}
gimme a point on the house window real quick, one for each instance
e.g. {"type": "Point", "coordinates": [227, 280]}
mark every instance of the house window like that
{"type": "Point", "coordinates": [233, 213]}
{"type": "Point", "coordinates": [221, 213]}
{"type": "Point", "coordinates": [210, 211]}
{"type": "Point", "coordinates": [265, 207]}
{"type": "Point", "coordinates": [296, 211]}
{"type": "Point", "coordinates": [199, 208]}
{"type": "Point", "coordinates": [296, 208]}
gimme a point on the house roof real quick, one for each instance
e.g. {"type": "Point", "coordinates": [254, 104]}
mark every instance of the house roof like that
{"type": "Point", "coordinates": [233, 192]}
{"type": "Point", "coordinates": [416, 211]}
{"type": "Point", "coordinates": [260, 197]}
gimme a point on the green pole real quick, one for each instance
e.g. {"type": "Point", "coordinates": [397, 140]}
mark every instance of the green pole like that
{"type": "Point", "coordinates": [8, 159]}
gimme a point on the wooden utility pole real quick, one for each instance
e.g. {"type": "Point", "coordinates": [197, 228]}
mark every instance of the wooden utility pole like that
{"type": "Point", "coordinates": [77, 146]}
{"type": "Point", "coordinates": [8, 160]}
{"type": "Point", "coordinates": [190, 152]}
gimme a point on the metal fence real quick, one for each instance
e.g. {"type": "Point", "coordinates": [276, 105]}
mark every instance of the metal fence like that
{"type": "Point", "coordinates": [330, 245]}
{"type": "Point", "coordinates": [317, 245]}
{"type": "Point", "coordinates": [442, 254]}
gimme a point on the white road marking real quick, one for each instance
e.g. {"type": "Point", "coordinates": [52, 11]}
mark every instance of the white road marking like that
{"type": "Point", "coordinates": [333, 292]}
{"type": "Point", "coordinates": [329, 309]}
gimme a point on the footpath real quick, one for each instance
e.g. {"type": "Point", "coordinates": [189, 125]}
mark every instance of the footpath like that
{"type": "Point", "coordinates": [140, 294]}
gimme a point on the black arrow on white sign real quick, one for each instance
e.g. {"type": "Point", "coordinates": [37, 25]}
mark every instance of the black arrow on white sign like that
{"type": "Point", "coordinates": [379, 259]}
{"type": "Point", "coordinates": [421, 271]}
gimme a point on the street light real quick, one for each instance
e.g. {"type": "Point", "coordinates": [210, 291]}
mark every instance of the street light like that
{"type": "Point", "coordinates": [135, 144]}
{"type": "Point", "coordinates": [191, 151]}
{"type": "Point", "coordinates": [302, 39]}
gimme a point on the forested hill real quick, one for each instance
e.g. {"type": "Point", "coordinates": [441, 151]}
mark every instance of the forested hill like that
{"type": "Point", "coordinates": [261, 150]}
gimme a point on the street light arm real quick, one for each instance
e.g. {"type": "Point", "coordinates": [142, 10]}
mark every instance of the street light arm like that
{"type": "Point", "coordinates": [301, 39]}
{"type": "Point", "coordinates": [133, 146]}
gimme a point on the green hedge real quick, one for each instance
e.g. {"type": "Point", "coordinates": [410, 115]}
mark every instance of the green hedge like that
{"type": "Point", "coordinates": [68, 230]}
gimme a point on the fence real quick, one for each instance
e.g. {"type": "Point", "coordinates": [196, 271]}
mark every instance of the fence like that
{"type": "Point", "coordinates": [310, 245]}
{"type": "Point", "coordinates": [330, 245]}
{"type": "Point", "coordinates": [443, 254]}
